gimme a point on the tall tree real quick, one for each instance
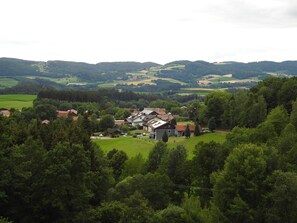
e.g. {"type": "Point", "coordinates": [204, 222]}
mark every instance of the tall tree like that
{"type": "Point", "coordinates": [187, 131]}
{"type": "Point", "coordinates": [155, 156]}
{"type": "Point", "coordinates": [165, 137]}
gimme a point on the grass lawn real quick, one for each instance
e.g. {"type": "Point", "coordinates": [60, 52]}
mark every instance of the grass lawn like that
{"type": "Point", "coordinates": [143, 145]}
{"type": "Point", "coordinates": [131, 146]}
{"type": "Point", "coordinates": [17, 101]}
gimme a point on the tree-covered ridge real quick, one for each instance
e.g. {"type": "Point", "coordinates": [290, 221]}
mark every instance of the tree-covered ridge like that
{"type": "Point", "coordinates": [186, 71]}
{"type": "Point", "coordinates": [198, 69]}
{"type": "Point", "coordinates": [16, 67]}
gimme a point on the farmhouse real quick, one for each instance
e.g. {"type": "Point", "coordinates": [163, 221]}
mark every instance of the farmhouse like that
{"type": "Point", "coordinates": [157, 127]}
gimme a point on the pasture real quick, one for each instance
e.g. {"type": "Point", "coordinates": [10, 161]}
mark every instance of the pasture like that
{"type": "Point", "coordinates": [143, 145]}
{"type": "Point", "coordinates": [17, 101]}
{"type": "Point", "coordinates": [6, 82]}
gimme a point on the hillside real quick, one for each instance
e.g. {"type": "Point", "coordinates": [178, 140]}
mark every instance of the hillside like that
{"type": "Point", "coordinates": [184, 77]}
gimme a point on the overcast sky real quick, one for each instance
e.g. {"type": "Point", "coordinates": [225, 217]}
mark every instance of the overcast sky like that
{"type": "Point", "coordinates": [149, 30]}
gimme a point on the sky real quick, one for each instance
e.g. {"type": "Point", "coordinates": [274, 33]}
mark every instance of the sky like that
{"type": "Point", "coordinates": [158, 31]}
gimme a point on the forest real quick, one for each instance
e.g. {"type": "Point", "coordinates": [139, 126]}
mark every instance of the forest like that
{"type": "Point", "coordinates": [56, 173]}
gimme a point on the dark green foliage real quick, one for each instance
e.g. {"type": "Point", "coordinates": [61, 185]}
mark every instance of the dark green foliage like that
{"type": "Point", "coordinates": [239, 186]}
{"type": "Point", "coordinates": [165, 137]}
{"type": "Point", "coordinates": [208, 158]}
{"type": "Point", "coordinates": [197, 130]}
{"type": "Point", "coordinates": [212, 124]}
{"type": "Point", "coordinates": [280, 199]}
{"type": "Point", "coordinates": [117, 159]}
{"type": "Point", "coordinates": [106, 122]}
{"type": "Point", "coordinates": [155, 156]}
{"type": "Point", "coordinates": [187, 132]}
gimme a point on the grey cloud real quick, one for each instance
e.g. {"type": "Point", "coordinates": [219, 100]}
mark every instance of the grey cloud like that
{"type": "Point", "coordinates": [246, 14]}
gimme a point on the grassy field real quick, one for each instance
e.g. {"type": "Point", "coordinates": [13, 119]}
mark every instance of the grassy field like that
{"type": "Point", "coordinates": [132, 146]}
{"type": "Point", "coordinates": [6, 82]}
{"type": "Point", "coordinates": [143, 145]}
{"type": "Point", "coordinates": [17, 101]}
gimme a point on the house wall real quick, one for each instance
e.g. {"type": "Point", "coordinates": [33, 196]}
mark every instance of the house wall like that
{"type": "Point", "coordinates": [159, 133]}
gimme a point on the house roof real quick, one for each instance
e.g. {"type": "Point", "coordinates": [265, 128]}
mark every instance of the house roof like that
{"type": "Point", "coordinates": [45, 122]}
{"type": "Point", "coordinates": [5, 113]}
{"type": "Point", "coordinates": [158, 124]}
{"type": "Point", "coordinates": [160, 111]}
{"type": "Point", "coordinates": [119, 122]}
{"type": "Point", "coordinates": [64, 114]}
{"type": "Point", "coordinates": [182, 128]}
{"type": "Point", "coordinates": [166, 117]}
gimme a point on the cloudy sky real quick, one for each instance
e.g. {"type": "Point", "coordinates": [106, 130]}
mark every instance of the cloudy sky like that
{"type": "Point", "coordinates": [149, 30]}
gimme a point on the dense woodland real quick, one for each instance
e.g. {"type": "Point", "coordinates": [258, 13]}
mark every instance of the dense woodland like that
{"type": "Point", "coordinates": [55, 173]}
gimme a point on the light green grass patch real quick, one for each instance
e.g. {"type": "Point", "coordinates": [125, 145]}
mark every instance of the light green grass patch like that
{"type": "Point", "coordinates": [190, 143]}
{"type": "Point", "coordinates": [143, 145]}
{"type": "Point", "coordinates": [6, 82]}
{"type": "Point", "coordinates": [131, 146]}
{"type": "Point", "coordinates": [17, 101]}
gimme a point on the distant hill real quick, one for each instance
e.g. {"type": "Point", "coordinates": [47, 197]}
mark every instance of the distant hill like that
{"type": "Point", "coordinates": [11, 67]}
{"type": "Point", "coordinates": [198, 69]}
{"type": "Point", "coordinates": [148, 77]}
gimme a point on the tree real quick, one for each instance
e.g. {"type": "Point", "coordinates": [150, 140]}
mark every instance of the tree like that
{"type": "Point", "coordinates": [211, 124]}
{"type": "Point", "coordinates": [133, 165]}
{"type": "Point", "coordinates": [208, 158]}
{"type": "Point", "coordinates": [117, 161]}
{"type": "Point", "coordinates": [216, 104]}
{"type": "Point", "coordinates": [280, 199]}
{"type": "Point", "coordinates": [187, 131]}
{"type": "Point", "coordinates": [197, 130]}
{"type": "Point", "coordinates": [155, 156]}
{"type": "Point", "coordinates": [165, 137]}
{"type": "Point", "coordinates": [239, 186]}
{"type": "Point", "coordinates": [293, 115]}
{"type": "Point", "coordinates": [46, 111]}
{"type": "Point", "coordinates": [279, 118]}
{"type": "Point", "coordinates": [172, 214]}
{"type": "Point", "coordinates": [106, 121]}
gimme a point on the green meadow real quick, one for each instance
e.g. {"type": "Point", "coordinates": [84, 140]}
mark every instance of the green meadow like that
{"type": "Point", "coordinates": [6, 82]}
{"type": "Point", "coordinates": [17, 101]}
{"type": "Point", "coordinates": [143, 145]}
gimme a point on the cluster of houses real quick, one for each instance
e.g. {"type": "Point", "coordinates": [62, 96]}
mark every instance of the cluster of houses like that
{"type": "Point", "coordinates": [156, 121]}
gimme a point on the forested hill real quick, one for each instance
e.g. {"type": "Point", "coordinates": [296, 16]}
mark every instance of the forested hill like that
{"type": "Point", "coordinates": [15, 67]}
{"type": "Point", "coordinates": [186, 71]}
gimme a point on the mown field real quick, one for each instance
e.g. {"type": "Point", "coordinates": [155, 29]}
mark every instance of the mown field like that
{"type": "Point", "coordinates": [143, 145]}
{"type": "Point", "coordinates": [17, 101]}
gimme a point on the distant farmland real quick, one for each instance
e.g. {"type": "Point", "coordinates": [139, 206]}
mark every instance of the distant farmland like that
{"type": "Point", "coordinates": [17, 101]}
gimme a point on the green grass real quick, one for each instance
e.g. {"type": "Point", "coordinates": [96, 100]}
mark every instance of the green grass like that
{"type": "Point", "coordinates": [190, 143]}
{"type": "Point", "coordinates": [17, 101]}
{"type": "Point", "coordinates": [132, 146]}
{"type": "Point", "coordinates": [6, 82]}
{"type": "Point", "coordinates": [143, 145]}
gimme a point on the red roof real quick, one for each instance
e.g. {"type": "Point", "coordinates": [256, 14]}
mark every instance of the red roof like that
{"type": "Point", "coordinates": [182, 128]}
